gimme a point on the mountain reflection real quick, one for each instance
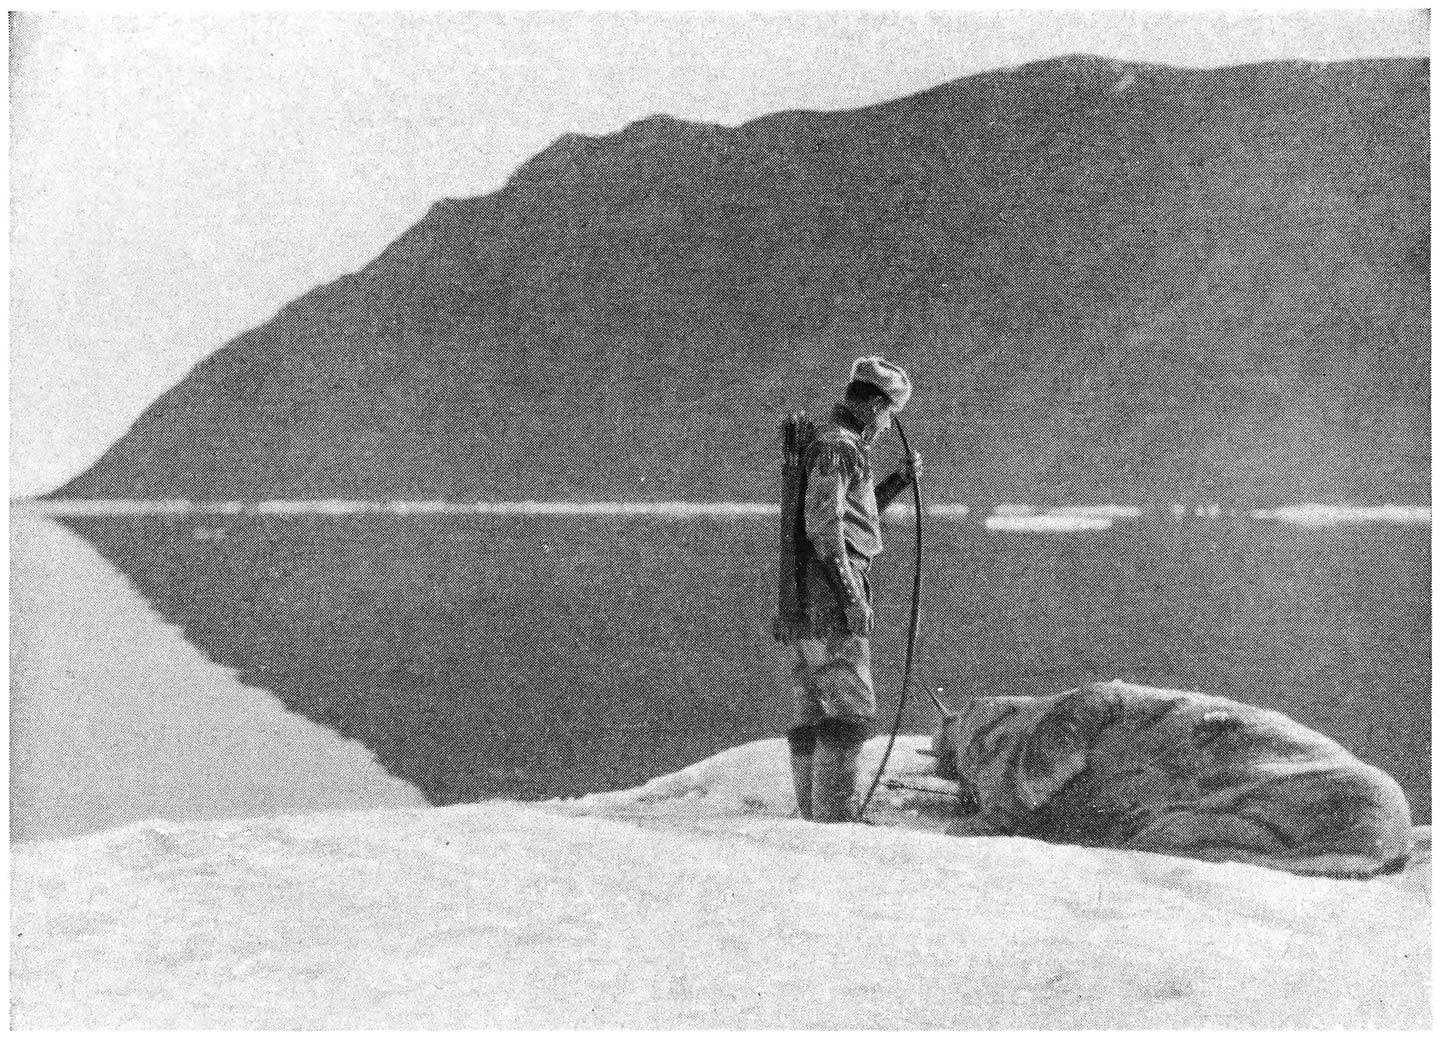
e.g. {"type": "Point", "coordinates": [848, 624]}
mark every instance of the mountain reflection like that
{"type": "Point", "coordinates": [115, 717]}
{"type": "Point", "coordinates": [535, 656]}
{"type": "Point", "coordinates": [527, 657]}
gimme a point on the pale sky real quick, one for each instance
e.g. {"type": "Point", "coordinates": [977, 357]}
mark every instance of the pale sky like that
{"type": "Point", "coordinates": [174, 180]}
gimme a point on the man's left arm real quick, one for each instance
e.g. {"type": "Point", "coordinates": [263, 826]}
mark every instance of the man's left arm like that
{"type": "Point", "coordinates": [891, 487]}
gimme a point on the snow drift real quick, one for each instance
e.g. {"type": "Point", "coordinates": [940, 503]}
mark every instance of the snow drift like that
{"type": "Point", "coordinates": [694, 901]}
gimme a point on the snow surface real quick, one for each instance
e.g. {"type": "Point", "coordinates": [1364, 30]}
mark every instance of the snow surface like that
{"type": "Point", "coordinates": [694, 901]}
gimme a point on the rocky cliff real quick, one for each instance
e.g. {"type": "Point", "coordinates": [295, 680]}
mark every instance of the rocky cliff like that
{"type": "Point", "coordinates": [1111, 282]}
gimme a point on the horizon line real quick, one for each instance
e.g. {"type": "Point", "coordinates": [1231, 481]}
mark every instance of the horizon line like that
{"type": "Point", "coordinates": [1000, 516]}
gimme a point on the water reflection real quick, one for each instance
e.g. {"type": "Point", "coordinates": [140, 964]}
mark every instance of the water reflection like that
{"type": "Point", "coordinates": [541, 655]}
{"type": "Point", "coordinates": [114, 717]}
{"type": "Point", "coordinates": [527, 656]}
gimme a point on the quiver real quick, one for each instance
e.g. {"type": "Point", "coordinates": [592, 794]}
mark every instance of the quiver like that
{"type": "Point", "coordinates": [792, 618]}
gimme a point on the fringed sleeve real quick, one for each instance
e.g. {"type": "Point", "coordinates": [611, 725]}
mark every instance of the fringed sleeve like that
{"type": "Point", "coordinates": [833, 457]}
{"type": "Point", "coordinates": [832, 466]}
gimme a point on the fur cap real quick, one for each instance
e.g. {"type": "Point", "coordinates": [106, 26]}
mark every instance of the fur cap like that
{"type": "Point", "coordinates": [890, 378]}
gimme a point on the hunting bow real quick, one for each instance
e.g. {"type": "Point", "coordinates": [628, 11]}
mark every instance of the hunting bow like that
{"type": "Point", "coordinates": [914, 620]}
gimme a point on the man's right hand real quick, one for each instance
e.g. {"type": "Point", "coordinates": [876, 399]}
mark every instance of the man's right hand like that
{"type": "Point", "coordinates": [859, 618]}
{"type": "Point", "coordinates": [912, 468]}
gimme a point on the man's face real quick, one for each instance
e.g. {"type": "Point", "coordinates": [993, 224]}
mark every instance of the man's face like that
{"type": "Point", "coordinates": [879, 417]}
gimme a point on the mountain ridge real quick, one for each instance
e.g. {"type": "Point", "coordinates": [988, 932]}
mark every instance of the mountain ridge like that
{"type": "Point", "coordinates": [1110, 279]}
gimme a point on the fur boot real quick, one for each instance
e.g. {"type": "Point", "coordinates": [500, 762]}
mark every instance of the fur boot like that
{"type": "Point", "coordinates": [802, 761]}
{"type": "Point", "coordinates": [837, 756]}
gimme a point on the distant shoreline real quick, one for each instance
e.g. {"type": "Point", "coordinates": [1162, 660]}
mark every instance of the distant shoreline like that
{"type": "Point", "coordinates": [1005, 517]}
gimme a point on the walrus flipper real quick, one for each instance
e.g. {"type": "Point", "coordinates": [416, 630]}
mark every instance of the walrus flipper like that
{"type": "Point", "coordinates": [1058, 749]}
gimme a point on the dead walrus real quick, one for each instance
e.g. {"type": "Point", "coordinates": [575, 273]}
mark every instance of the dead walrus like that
{"type": "Point", "coordinates": [1132, 767]}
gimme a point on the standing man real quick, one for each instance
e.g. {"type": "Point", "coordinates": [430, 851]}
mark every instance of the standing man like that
{"type": "Point", "coordinates": [833, 689]}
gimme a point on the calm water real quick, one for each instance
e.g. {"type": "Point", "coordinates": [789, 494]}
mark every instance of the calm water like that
{"type": "Point", "coordinates": [534, 656]}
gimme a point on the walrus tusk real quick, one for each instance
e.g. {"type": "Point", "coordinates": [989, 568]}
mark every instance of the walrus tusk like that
{"type": "Point", "coordinates": [928, 785]}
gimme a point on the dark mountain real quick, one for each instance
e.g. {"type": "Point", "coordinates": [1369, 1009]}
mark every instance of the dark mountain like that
{"type": "Point", "coordinates": [1112, 282]}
